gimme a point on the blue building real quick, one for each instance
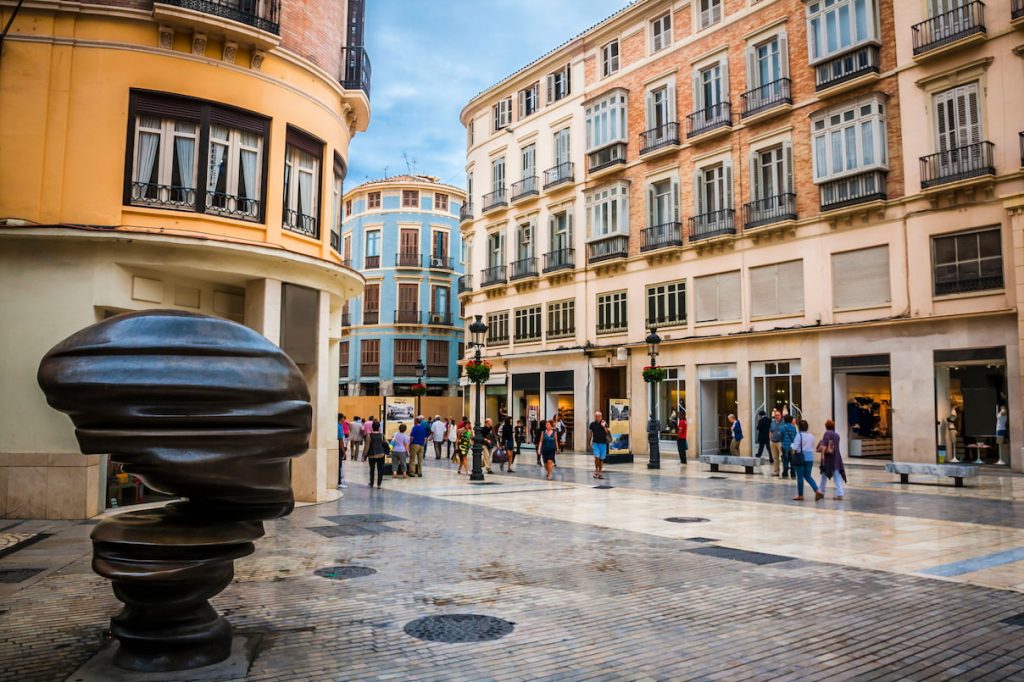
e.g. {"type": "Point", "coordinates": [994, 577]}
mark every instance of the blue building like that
{"type": "Point", "coordinates": [402, 234]}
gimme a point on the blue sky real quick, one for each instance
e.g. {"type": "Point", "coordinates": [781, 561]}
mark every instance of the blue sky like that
{"type": "Point", "coordinates": [430, 57]}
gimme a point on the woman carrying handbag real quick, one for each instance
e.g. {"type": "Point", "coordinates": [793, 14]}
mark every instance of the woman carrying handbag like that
{"type": "Point", "coordinates": [831, 460]}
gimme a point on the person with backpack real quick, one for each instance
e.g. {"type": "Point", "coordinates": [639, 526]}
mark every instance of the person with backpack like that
{"type": "Point", "coordinates": [548, 447]}
{"type": "Point", "coordinates": [400, 447]}
{"type": "Point", "coordinates": [831, 460]}
{"type": "Point", "coordinates": [376, 448]}
{"type": "Point", "coordinates": [803, 460]}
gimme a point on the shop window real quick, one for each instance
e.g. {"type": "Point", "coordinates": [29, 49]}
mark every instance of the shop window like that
{"type": "Point", "coordinates": [971, 408]}
{"type": "Point", "coordinates": [860, 279]}
{"type": "Point", "coordinates": [671, 404]}
{"type": "Point", "coordinates": [718, 297]}
{"type": "Point", "coordinates": [777, 289]}
{"type": "Point", "coordinates": [968, 262]}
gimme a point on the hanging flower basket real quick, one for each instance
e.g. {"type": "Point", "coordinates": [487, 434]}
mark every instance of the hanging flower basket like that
{"type": "Point", "coordinates": [653, 374]}
{"type": "Point", "coordinates": [419, 389]}
{"type": "Point", "coordinates": [478, 372]}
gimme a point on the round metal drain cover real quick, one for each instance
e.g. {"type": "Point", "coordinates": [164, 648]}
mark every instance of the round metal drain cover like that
{"type": "Point", "coordinates": [344, 572]}
{"type": "Point", "coordinates": [686, 519]}
{"type": "Point", "coordinates": [457, 628]}
{"type": "Point", "coordinates": [603, 487]}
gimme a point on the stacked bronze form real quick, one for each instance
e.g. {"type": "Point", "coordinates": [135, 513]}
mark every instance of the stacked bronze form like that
{"type": "Point", "coordinates": [200, 408]}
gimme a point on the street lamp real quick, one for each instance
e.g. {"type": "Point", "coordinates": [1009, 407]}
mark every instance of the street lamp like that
{"type": "Point", "coordinates": [653, 427]}
{"type": "Point", "coordinates": [477, 331]}
{"type": "Point", "coordinates": [421, 378]}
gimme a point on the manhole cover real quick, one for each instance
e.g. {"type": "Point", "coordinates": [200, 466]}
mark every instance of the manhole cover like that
{"type": "Point", "coordinates": [686, 519]}
{"type": "Point", "coordinates": [702, 539]}
{"type": "Point", "coordinates": [457, 628]}
{"type": "Point", "coordinates": [344, 572]}
{"type": "Point", "coordinates": [603, 487]}
{"type": "Point", "coordinates": [18, 575]}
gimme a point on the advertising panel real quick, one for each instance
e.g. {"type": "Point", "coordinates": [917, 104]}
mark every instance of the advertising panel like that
{"type": "Point", "coordinates": [618, 425]}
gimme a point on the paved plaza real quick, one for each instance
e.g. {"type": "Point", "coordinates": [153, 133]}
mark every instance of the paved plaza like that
{"type": "Point", "coordinates": [895, 582]}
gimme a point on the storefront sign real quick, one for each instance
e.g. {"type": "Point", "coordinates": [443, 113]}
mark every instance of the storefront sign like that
{"type": "Point", "coordinates": [618, 425]}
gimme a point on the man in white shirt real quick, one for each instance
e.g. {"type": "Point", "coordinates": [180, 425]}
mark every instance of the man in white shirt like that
{"type": "Point", "coordinates": [438, 432]}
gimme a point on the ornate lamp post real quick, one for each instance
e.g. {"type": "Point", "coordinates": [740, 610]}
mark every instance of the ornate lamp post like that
{"type": "Point", "coordinates": [421, 384]}
{"type": "Point", "coordinates": [653, 375]}
{"type": "Point", "coordinates": [478, 374]}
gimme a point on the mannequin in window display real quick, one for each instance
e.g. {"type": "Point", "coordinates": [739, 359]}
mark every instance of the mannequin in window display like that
{"type": "Point", "coordinates": [1002, 434]}
{"type": "Point", "coordinates": [951, 435]}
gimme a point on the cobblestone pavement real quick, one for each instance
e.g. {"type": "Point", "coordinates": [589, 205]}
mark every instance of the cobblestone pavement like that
{"type": "Point", "coordinates": [648, 600]}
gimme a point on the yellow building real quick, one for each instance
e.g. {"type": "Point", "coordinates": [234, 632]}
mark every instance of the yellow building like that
{"type": "Point", "coordinates": [185, 154]}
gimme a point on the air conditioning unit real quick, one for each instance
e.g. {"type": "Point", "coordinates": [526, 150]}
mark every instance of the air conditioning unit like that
{"type": "Point", "coordinates": [436, 262]}
{"type": "Point", "coordinates": [436, 319]}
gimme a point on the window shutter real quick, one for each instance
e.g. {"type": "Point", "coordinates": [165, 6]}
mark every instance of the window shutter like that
{"type": "Point", "coordinates": [698, 93]}
{"type": "Point", "coordinates": [568, 222]}
{"type": "Point", "coordinates": [522, 104]}
{"type": "Point", "coordinates": [652, 219]}
{"type": "Point", "coordinates": [675, 200]}
{"type": "Point", "coordinates": [568, 79]}
{"type": "Point", "coordinates": [698, 195]}
{"type": "Point", "coordinates": [783, 54]}
{"type": "Point", "coordinates": [787, 167]}
{"type": "Point", "coordinates": [649, 110]}
{"type": "Point", "coordinates": [861, 278]}
{"type": "Point", "coordinates": [551, 88]}
{"type": "Point", "coordinates": [756, 191]}
{"type": "Point", "coordinates": [763, 291]}
{"type": "Point", "coordinates": [973, 118]}
{"type": "Point", "coordinates": [752, 74]}
{"type": "Point", "coordinates": [724, 66]}
{"type": "Point", "coordinates": [790, 278]}
{"type": "Point", "coordinates": [670, 92]}
{"type": "Point", "coordinates": [729, 296]}
{"type": "Point", "coordinates": [706, 298]}
{"type": "Point", "coordinates": [941, 126]}
{"type": "Point", "coordinates": [727, 199]}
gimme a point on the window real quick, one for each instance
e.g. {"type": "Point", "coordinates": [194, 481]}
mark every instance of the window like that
{"type": "Point", "coordinates": [527, 323]}
{"type": "Point", "coordinates": [561, 319]}
{"type": "Point", "coordinates": [663, 202]}
{"type": "Point", "coordinates": [346, 249]}
{"type": "Point", "coordinates": [343, 358]}
{"type": "Point", "coordinates": [437, 358]}
{"type": "Point", "coordinates": [559, 84]}
{"type": "Point", "coordinates": [666, 303]}
{"type": "Point", "coordinates": [611, 312]}
{"type": "Point", "coordinates": [966, 262]}
{"type": "Point", "coordinates": [348, 207]}
{"type": "Point", "coordinates": [525, 233]}
{"type": "Point", "coordinates": [661, 32]}
{"type": "Point", "coordinates": [372, 253]}
{"type": "Point", "coordinates": [529, 161]}
{"type": "Point", "coordinates": [439, 244]}
{"type": "Point", "coordinates": [337, 216]}
{"type": "Point", "coordinates": [470, 134]}
{"type": "Point", "coordinates": [302, 156]}
{"type": "Point", "coordinates": [467, 252]}
{"type": "Point", "coordinates": [407, 356]}
{"type": "Point", "coordinates": [849, 140]}
{"type": "Point", "coordinates": [718, 297]}
{"type": "Point", "coordinates": [529, 100]}
{"type": "Point", "coordinates": [712, 189]}
{"type": "Point", "coordinates": [606, 121]}
{"type": "Point", "coordinates": [498, 175]}
{"type": "Point", "coordinates": [777, 289]}
{"type": "Point", "coordinates": [496, 248]}
{"type": "Point", "coordinates": [711, 86]}
{"type": "Point", "coordinates": [957, 122]}
{"type": "Point", "coordinates": [561, 147]}
{"type": "Point", "coordinates": [837, 26]}
{"type": "Point", "coordinates": [771, 171]}
{"type": "Point", "coordinates": [373, 200]}
{"type": "Point", "coordinates": [440, 202]}
{"type": "Point", "coordinates": [710, 12]}
{"type": "Point", "coordinates": [497, 328]}
{"type": "Point", "coordinates": [439, 299]}
{"type": "Point", "coordinates": [369, 355]}
{"type": "Point", "coordinates": [408, 310]}
{"type": "Point", "coordinates": [608, 211]}
{"type": "Point", "coordinates": [860, 279]}
{"type": "Point", "coordinates": [660, 107]}
{"type": "Point", "coordinates": [767, 62]}
{"type": "Point", "coordinates": [410, 198]}
{"type": "Point", "coordinates": [610, 58]}
{"type": "Point", "coordinates": [168, 164]}
{"type": "Point", "coordinates": [371, 303]}
{"type": "Point", "coordinates": [560, 230]}
{"type": "Point", "coordinates": [502, 114]}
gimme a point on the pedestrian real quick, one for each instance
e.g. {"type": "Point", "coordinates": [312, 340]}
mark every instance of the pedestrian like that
{"type": "Point", "coordinates": [535, 429]}
{"type": "Point", "coordinates": [803, 459]}
{"type": "Point", "coordinates": [560, 429]}
{"type": "Point", "coordinates": [342, 428]}
{"type": "Point", "coordinates": [355, 439]}
{"type": "Point", "coordinates": [437, 435]}
{"type": "Point", "coordinates": [736, 435]}
{"type": "Point", "coordinates": [597, 441]}
{"type": "Point", "coordinates": [519, 435]}
{"type": "Point", "coordinates": [775, 437]}
{"type": "Point", "coordinates": [490, 440]}
{"type": "Point", "coordinates": [764, 429]}
{"type": "Point", "coordinates": [681, 444]}
{"type": "Point", "coordinates": [368, 428]}
{"type": "Point", "coordinates": [788, 435]}
{"type": "Point", "coordinates": [508, 442]}
{"type": "Point", "coordinates": [418, 440]}
{"type": "Point", "coordinates": [465, 436]}
{"type": "Point", "coordinates": [548, 446]}
{"type": "Point", "coordinates": [831, 460]}
{"type": "Point", "coordinates": [451, 434]}
{"type": "Point", "coordinates": [400, 446]}
{"type": "Point", "coordinates": [376, 448]}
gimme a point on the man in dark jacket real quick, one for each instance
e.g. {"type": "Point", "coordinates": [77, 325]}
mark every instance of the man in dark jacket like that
{"type": "Point", "coordinates": [764, 427]}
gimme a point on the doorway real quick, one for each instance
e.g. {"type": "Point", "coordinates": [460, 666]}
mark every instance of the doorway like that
{"type": "Point", "coordinates": [611, 383]}
{"type": "Point", "coordinates": [718, 399]}
{"type": "Point", "coordinates": [972, 413]}
{"type": "Point", "coordinates": [862, 402]}
{"type": "Point", "coordinates": [775, 386]}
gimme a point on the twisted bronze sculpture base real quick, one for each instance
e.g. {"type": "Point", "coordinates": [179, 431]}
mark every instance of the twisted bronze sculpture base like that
{"type": "Point", "coordinates": [196, 407]}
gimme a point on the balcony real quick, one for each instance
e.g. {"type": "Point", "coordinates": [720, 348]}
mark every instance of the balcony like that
{"type": "Point", "coordinates": [612, 327]}
{"type": "Point", "coordinates": [1016, 10]}
{"type": "Point", "coordinates": [407, 316]}
{"type": "Point", "coordinates": [661, 137]}
{"type": "Point", "coordinates": [493, 275]}
{"type": "Point", "coordinates": [355, 66]}
{"type": "Point", "coordinates": [949, 28]}
{"type": "Point", "coordinates": [163, 196]}
{"type": "Point", "coordinates": [712, 224]}
{"type": "Point", "coordinates": [495, 199]}
{"type": "Point", "coordinates": [240, 208]}
{"type": "Point", "coordinates": [525, 188]}
{"type": "Point", "coordinates": [407, 259]}
{"type": "Point", "coordinates": [775, 209]}
{"type": "Point", "coordinates": [957, 165]}
{"type": "Point", "coordinates": [608, 248]}
{"type": "Point", "coordinates": [523, 268]}
{"type": "Point", "coordinates": [847, 69]}
{"type": "Point", "coordinates": [371, 262]}
{"type": "Point", "coordinates": [666, 320]}
{"type": "Point", "coordinates": [406, 369]}
{"type": "Point", "coordinates": [966, 284]}
{"type": "Point", "coordinates": [371, 316]}
{"type": "Point", "coordinates": [766, 98]}
{"type": "Point", "coordinates": [661, 236]}
{"type": "Point", "coordinates": [560, 174]}
{"type": "Point", "coordinates": [606, 157]}
{"type": "Point", "coordinates": [466, 212]}
{"type": "Point", "coordinates": [300, 223]}
{"type": "Point", "coordinates": [262, 15]}
{"type": "Point", "coordinates": [438, 319]}
{"type": "Point", "coordinates": [559, 259]}
{"type": "Point", "coordinates": [495, 338]}
{"type": "Point", "coordinates": [706, 120]}
{"type": "Point", "coordinates": [465, 284]}
{"type": "Point", "coordinates": [439, 262]}
{"type": "Point", "coordinates": [856, 189]}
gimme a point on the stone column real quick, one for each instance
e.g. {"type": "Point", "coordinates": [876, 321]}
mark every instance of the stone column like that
{"type": "Point", "coordinates": [1015, 215]}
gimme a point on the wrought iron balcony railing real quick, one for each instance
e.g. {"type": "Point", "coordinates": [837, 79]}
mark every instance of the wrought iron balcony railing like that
{"type": "Point", "coordinates": [662, 136]}
{"type": "Point", "coordinates": [608, 248]}
{"type": "Point", "coordinates": [438, 262]}
{"type": "Point", "coordinates": [495, 199]}
{"type": "Point", "coordinates": [661, 236]}
{"type": "Point", "coordinates": [846, 67]}
{"type": "Point", "coordinates": [355, 66]}
{"type": "Point", "coordinates": [856, 189]}
{"type": "Point", "coordinates": [966, 284]}
{"type": "Point", "coordinates": [466, 212]}
{"type": "Point", "coordinates": [524, 267]}
{"type": "Point", "coordinates": [524, 188]}
{"type": "Point", "coordinates": [442, 319]}
{"type": "Point", "coordinates": [712, 224]}
{"type": "Point", "coordinates": [493, 275]}
{"type": "Point", "coordinates": [260, 14]}
{"type": "Point", "coordinates": [465, 283]}
{"type": "Point", "coordinates": [561, 173]}
{"type": "Point", "coordinates": [611, 326]}
{"type": "Point", "coordinates": [407, 259]}
{"type": "Point", "coordinates": [666, 319]}
{"type": "Point", "coordinates": [766, 96]}
{"type": "Point", "coordinates": [606, 157]}
{"type": "Point", "coordinates": [954, 165]}
{"type": "Point", "coordinates": [559, 259]}
{"type": "Point", "coordinates": [949, 27]}
{"type": "Point", "coordinates": [371, 262]}
{"type": "Point", "coordinates": [407, 316]}
{"type": "Point", "coordinates": [163, 196]}
{"type": "Point", "coordinates": [708, 119]}
{"type": "Point", "coordinates": [300, 223]}
{"type": "Point", "coordinates": [769, 210]}
{"type": "Point", "coordinates": [371, 316]}
{"type": "Point", "coordinates": [233, 206]}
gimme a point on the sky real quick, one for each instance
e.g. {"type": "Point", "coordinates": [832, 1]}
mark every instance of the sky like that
{"type": "Point", "coordinates": [429, 57]}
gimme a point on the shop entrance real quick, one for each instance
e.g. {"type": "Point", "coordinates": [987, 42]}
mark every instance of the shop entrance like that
{"type": "Point", "coordinates": [971, 408]}
{"type": "Point", "coordinates": [862, 401]}
{"type": "Point", "coordinates": [611, 383]}
{"type": "Point", "coordinates": [526, 399]}
{"type": "Point", "coordinates": [560, 401]}
{"type": "Point", "coordinates": [717, 402]}
{"type": "Point", "coordinates": [671, 401]}
{"type": "Point", "coordinates": [776, 386]}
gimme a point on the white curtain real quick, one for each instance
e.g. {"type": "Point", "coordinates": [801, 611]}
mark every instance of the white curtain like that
{"type": "Point", "coordinates": [149, 143]}
{"type": "Point", "coordinates": [186, 152]}
{"type": "Point", "coordinates": [217, 152]}
{"type": "Point", "coordinates": [305, 193]}
{"type": "Point", "coordinates": [248, 162]}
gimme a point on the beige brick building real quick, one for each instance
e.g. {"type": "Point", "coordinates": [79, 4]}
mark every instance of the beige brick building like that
{"type": "Point", "coordinates": [748, 178]}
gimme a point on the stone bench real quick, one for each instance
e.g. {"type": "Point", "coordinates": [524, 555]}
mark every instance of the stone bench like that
{"type": "Point", "coordinates": [958, 472]}
{"type": "Point", "coordinates": [748, 463]}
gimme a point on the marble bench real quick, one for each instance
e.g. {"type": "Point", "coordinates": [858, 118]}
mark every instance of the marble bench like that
{"type": "Point", "coordinates": [958, 472]}
{"type": "Point", "coordinates": [748, 463]}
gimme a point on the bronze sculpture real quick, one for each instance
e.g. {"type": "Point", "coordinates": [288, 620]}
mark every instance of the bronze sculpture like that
{"type": "Point", "coordinates": [197, 407]}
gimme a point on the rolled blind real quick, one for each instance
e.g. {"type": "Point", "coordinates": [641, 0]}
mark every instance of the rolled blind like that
{"type": "Point", "coordinates": [718, 297]}
{"type": "Point", "coordinates": [777, 289]}
{"type": "Point", "coordinates": [861, 278]}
